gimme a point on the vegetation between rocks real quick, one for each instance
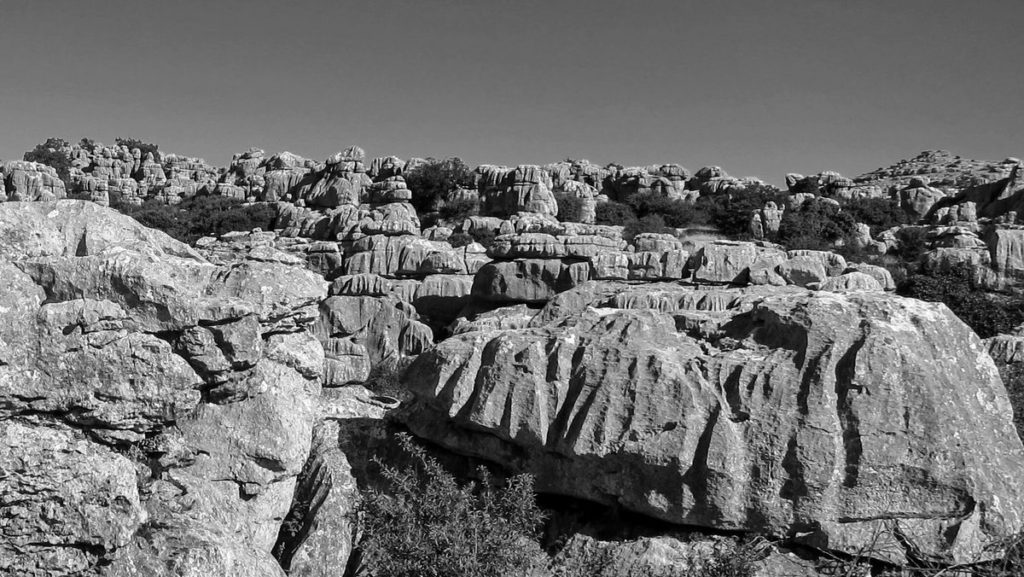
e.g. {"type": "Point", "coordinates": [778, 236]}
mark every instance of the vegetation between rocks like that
{"type": "Point", "coordinates": [201, 216]}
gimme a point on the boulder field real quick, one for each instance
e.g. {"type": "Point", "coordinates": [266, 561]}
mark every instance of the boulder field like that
{"type": "Point", "coordinates": [176, 410]}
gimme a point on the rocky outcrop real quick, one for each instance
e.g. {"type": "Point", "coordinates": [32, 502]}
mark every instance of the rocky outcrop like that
{"type": "Point", "coordinates": [118, 340]}
{"type": "Point", "coordinates": [527, 188]}
{"type": "Point", "coordinates": [853, 422]}
{"type": "Point", "coordinates": [29, 181]}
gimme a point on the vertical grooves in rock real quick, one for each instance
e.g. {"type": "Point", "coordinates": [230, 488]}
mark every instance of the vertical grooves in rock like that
{"type": "Point", "coordinates": [311, 490]}
{"type": "Point", "coordinates": [849, 422]}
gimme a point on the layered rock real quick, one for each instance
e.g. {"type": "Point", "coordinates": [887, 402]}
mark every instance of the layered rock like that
{"type": "Point", "coordinates": [854, 422]}
{"type": "Point", "coordinates": [118, 336]}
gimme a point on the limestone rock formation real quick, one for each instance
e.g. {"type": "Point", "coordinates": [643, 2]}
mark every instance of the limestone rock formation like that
{"type": "Point", "coordinates": [118, 340]}
{"type": "Point", "coordinates": [847, 421]}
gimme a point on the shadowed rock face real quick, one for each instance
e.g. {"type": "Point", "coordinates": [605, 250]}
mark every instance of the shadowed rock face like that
{"type": "Point", "coordinates": [117, 340]}
{"type": "Point", "coordinates": [848, 421]}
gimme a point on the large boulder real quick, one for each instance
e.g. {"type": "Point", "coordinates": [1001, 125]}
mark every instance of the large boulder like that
{"type": "Point", "coordinates": [203, 375]}
{"type": "Point", "coordinates": [854, 422]}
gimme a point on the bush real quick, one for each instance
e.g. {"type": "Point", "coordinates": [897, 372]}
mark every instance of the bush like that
{"type": "Point", "coordinates": [459, 210]}
{"type": "Point", "coordinates": [424, 523]}
{"type": "Point", "coordinates": [460, 239]}
{"type": "Point", "coordinates": [676, 213]}
{"type": "Point", "coordinates": [614, 213]}
{"type": "Point", "coordinates": [431, 180]}
{"type": "Point", "coordinates": [649, 223]}
{"type": "Point", "coordinates": [878, 213]}
{"type": "Point", "coordinates": [983, 313]}
{"type": "Point", "coordinates": [53, 153]}
{"type": "Point", "coordinates": [570, 207]}
{"type": "Point", "coordinates": [731, 213]}
{"type": "Point", "coordinates": [144, 147]}
{"type": "Point", "coordinates": [199, 216]}
{"type": "Point", "coordinates": [816, 224]}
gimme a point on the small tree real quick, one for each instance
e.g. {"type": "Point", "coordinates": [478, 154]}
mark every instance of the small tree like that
{"type": "Point", "coordinates": [878, 213]}
{"type": "Point", "coordinates": [816, 224]}
{"type": "Point", "coordinates": [731, 213]}
{"type": "Point", "coordinates": [144, 147]}
{"type": "Point", "coordinates": [432, 179]}
{"type": "Point", "coordinates": [53, 152]}
{"type": "Point", "coordinates": [203, 215]}
{"type": "Point", "coordinates": [570, 207]}
{"type": "Point", "coordinates": [425, 523]}
{"type": "Point", "coordinates": [614, 213]}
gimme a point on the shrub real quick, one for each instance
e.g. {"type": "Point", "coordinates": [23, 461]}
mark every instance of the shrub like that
{"type": "Point", "coordinates": [676, 213]}
{"type": "Point", "coordinates": [878, 213]}
{"type": "Point", "coordinates": [459, 210]}
{"type": "Point", "coordinates": [649, 223]}
{"type": "Point", "coordinates": [731, 213]}
{"type": "Point", "coordinates": [199, 216]}
{"type": "Point", "coordinates": [816, 224]}
{"type": "Point", "coordinates": [485, 237]}
{"type": "Point", "coordinates": [425, 523]}
{"type": "Point", "coordinates": [53, 153]}
{"type": "Point", "coordinates": [982, 312]}
{"type": "Point", "coordinates": [460, 239]}
{"type": "Point", "coordinates": [614, 213]}
{"type": "Point", "coordinates": [570, 207]}
{"type": "Point", "coordinates": [143, 147]}
{"type": "Point", "coordinates": [432, 179]}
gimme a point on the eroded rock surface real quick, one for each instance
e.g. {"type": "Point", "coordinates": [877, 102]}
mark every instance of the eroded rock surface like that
{"type": "Point", "coordinates": [842, 420]}
{"type": "Point", "coordinates": [118, 340]}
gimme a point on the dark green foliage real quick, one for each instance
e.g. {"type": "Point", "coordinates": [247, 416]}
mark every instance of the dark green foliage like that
{"type": "Point", "coordinates": [614, 213]}
{"type": "Point", "coordinates": [988, 315]}
{"type": "Point", "coordinates": [731, 213]}
{"type": "Point", "coordinates": [676, 213]}
{"type": "Point", "coordinates": [425, 524]}
{"type": "Point", "coordinates": [201, 216]}
{"type": "Point", "coordinates": [87, 144]}
{"type": "Point", "coordinates": [485, 237]}
{"type": "Point", "coordinates": [53, 153]}
{"type": "Point", "coordinates": [144, 147]}
{"type": "Point", "coordinates": [878, 213]}
{"type": "Point", "coordinates": [649, 223]}
{"type": "Point", "coordinates": [460, 239]}
{"type": "Point", "coordinates": [431, 180]}
{"type": "Point", "coordinates": [912, 243]}
{"type": "Point", "coordinates": [570, 207]}
{"type": "Point", "coordinates": [459, 210]}
{"type": "Point", "coordinates": [817, 224]}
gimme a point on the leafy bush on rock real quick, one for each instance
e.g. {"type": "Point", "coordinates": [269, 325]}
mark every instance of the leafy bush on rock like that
{"type": "Point", "coordinates": [53, 153]}
{"type": "Point", "coordinates": [205, 215]}
{"type": "Point", "coordinates": [426, 523]}
{"type": "Point", "coordinates": [614, 213]}
{"type": "Point", "coordinates": [817, 225]}
{"type": "Point", "coordinates": [570, 207]}
{"type": "Point", "coordinates": [432, 179]}
{"type": "Point", "coordinates": [986, 314]}
{"type": "Point", "coordinates": [878, 213]}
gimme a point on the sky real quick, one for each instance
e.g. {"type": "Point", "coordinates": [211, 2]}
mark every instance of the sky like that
{"type": "Point", "coordinates": [758, 87]}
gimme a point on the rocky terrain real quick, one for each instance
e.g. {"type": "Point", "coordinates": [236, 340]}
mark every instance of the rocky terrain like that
{"type": "Point", "coordinates": [211, 409]}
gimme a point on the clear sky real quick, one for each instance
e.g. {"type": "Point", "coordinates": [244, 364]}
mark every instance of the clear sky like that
{"type": "Point", "coordinates": [758, 87]}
